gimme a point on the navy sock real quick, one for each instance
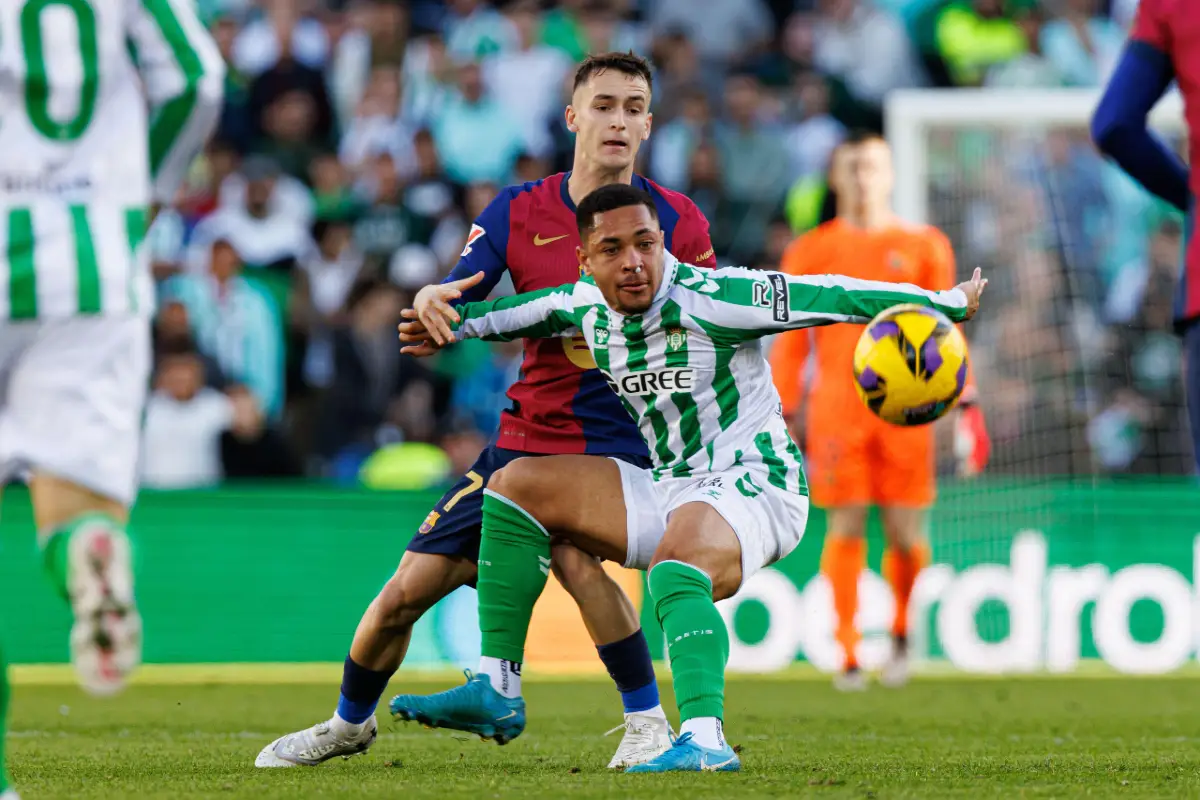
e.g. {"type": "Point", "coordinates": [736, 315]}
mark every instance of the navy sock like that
{"type": "Point", "coordinates": [628, 662]}
{"type": "Point", "coordinates": [361, 690]}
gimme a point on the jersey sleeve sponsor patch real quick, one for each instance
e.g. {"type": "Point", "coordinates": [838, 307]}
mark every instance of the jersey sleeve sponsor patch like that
{"type": "Point", "coordinates": [476, 232]}
{"type": "Point", "coordinates": [779, 284]}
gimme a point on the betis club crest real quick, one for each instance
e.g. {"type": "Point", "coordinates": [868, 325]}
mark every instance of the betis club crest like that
{"type": "Point", "coordinates": [676, 339]}
{"type": "Point", "coordinates": [601, 337]}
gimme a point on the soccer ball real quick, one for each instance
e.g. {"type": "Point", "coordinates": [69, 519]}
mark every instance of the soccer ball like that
{"type": "Point", "coordinates": [910, 365]}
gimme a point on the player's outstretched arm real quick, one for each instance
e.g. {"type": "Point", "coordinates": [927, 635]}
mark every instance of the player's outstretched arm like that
{"type": "Point", "coordinates": [752, 303]}
{"type": "Point", "coordinates": [184, 79]}
{"type": "Point", "coordinates": [1119, 125]}
{"type": "Point", "coordinates": [822, 299]}
{"type": "Point", "coordinates": [533, 315]}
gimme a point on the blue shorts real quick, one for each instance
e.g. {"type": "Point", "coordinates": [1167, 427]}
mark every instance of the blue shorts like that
{"type": "Point", "coordinates": [454, 526]}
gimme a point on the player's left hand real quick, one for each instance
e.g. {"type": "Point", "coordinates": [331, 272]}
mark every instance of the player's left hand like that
{"type": "Point", "coordinates": [972, 445]}
{"type": "Point", "coordinates": [419, 342]}
{"type": "Point", "coordinates": [973, 289]}
{"type": "Point", "coordinates": [432, 307]}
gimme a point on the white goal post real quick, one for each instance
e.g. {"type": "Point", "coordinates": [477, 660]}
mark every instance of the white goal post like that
{"type": "Point", "coordinates": [910, 113]}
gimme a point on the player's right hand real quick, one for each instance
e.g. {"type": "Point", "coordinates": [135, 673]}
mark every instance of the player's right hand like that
{"type": "Point", "coordinates": [433, 309]}
{"type": "Point", "coordinates": [973, 289]}
{"type": "Point", "coordinates": [417, 338]}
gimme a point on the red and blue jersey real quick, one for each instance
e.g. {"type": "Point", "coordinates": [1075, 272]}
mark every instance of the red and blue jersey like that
{"type": "Point", "coordinates": [561, 403]}
{"type": "Point", "coordinates": [1164, 46]}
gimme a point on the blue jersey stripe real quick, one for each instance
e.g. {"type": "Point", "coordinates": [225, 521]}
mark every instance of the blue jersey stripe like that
{"type": "Point", "coordinates": [487, 252]}
{"type": "Point", "coordinates": [607, 426]}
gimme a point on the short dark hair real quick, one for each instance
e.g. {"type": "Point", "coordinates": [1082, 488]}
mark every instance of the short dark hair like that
{"type": "Point", "coordinates": [171, 348]}
{"type": "Point", "coordinates": [610, 198]}
{"type": "Point", "coordinates": [630, 64]}
{"type": "Point", "coordinates": [862, 136]}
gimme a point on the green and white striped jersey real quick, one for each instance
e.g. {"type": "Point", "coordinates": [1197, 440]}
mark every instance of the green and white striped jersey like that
{"type": "Point", "coordinates": [103, 105]}
{"type": "Point", "coordinates": [690, 370]}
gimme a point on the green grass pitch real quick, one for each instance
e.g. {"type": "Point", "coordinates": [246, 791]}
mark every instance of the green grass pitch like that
{"type": "Point", "coordinates": [940, 737]}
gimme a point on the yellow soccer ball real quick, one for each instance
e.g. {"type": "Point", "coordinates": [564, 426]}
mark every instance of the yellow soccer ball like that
{"type": "Point", "coordinates": [910, 365]}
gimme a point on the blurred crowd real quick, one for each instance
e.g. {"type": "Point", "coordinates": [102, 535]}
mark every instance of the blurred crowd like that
{"type": "Point", "coordinates": [361, 137]}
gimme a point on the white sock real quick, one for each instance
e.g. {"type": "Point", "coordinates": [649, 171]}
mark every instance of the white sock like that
{"type": "Point", "coordinates": [705, 731]}
{"type": "Point", "coordinates": [656, 712]}
{"type": "Point", "coordinates": [347, 729]}
{"type": "Point", "coordinates": [505, 675]}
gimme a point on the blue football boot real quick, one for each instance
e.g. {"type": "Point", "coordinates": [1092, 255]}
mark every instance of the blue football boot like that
{"type": "Point", "coordinates": [687, 756]}
{"type": "Point", "coordinates": [474, 707]}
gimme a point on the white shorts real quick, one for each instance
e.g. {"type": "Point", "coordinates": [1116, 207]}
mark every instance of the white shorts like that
{"type": "Point", "coordinates": [72, 392]}
{"type": "Point", "coordinates": [768, 524]}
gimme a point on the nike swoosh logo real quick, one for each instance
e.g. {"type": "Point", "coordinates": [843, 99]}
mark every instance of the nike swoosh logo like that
{"type": "Point", "coordinates": [714, 767]}
{"type": "Point", "coordinates": [538, 241]}
{"type": "Point", "coordinates": [509, 715]}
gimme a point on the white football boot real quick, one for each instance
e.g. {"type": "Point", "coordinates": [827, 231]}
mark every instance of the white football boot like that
{"type": "Point", "coordinates": [895, 670]}
{"type": "Point", "coordinates": [318, 744]}
{"type": "Point", "coordinates": [10, 794]}
{"type": "Point", "coordinates": [850, 680]}
{"type": "Point", "coordinates": [106, 639]}
{"type": "Point", "coordinates": [647, 736]}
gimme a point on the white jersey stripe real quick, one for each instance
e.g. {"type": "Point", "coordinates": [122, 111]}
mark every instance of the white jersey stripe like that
{"type": "Point", "coordinates": [54, 243]}
{"type": "Point", "coordinates": [5, 270]}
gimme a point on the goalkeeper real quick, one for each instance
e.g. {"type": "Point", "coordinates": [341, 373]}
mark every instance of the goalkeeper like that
{"type": "Point", "coordinates": [855, 459]}
{"type": "Point", "coordinates": [727, 494]}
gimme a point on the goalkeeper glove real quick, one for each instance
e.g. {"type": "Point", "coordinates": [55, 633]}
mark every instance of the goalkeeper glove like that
{"type": "Point", "coordinates": [972, 446]}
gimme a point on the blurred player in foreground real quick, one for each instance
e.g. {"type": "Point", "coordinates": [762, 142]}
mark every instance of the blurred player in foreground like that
{"type": "Point", "coordinates": [856, 459]}
{"type": "Point", "coordinates": [80, 164]}
{"type": "Point", "coordinates": [561, 404]}
{"type": "Point", "coordinates": [1163, 47]}
{"type": "Point", "coordinates": [726, 495]}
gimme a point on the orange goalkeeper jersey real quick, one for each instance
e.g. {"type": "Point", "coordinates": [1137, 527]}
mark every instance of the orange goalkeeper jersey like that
{"type": "Point", "coordinates": [902, 253]}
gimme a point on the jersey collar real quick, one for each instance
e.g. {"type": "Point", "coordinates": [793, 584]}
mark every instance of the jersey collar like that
{"type": "Point", "coordinates": [670, 269]}
{"type": "Point", "coordinates": [564, 189]}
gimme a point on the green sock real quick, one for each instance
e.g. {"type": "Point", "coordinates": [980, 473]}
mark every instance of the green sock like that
{"type": "Point", "coordinates": [514, 563]}
{"type": "Point", "coordinates": [54, 559]}
{"type": "Point", "coordinates": [56, 548]}
{"type": "Point", "coordinates": [4, 691]}
{"type": "Point", "coordinates": [697, 640]}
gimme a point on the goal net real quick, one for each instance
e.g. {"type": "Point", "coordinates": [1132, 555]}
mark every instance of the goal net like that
{"type": "Point", "coordinates": [1076, 362]}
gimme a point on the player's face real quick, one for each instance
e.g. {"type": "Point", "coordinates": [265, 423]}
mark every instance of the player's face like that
{"type": "Point", "coordinates": [862, 173]}
{"type": "Point", "coordinates": [624, 254]}
{"type": "Point", "coordinates": [610, 116]}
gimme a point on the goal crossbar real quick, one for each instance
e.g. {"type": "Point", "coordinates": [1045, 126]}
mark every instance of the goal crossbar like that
{"type": "Point", "coordinates": [909, 113]}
